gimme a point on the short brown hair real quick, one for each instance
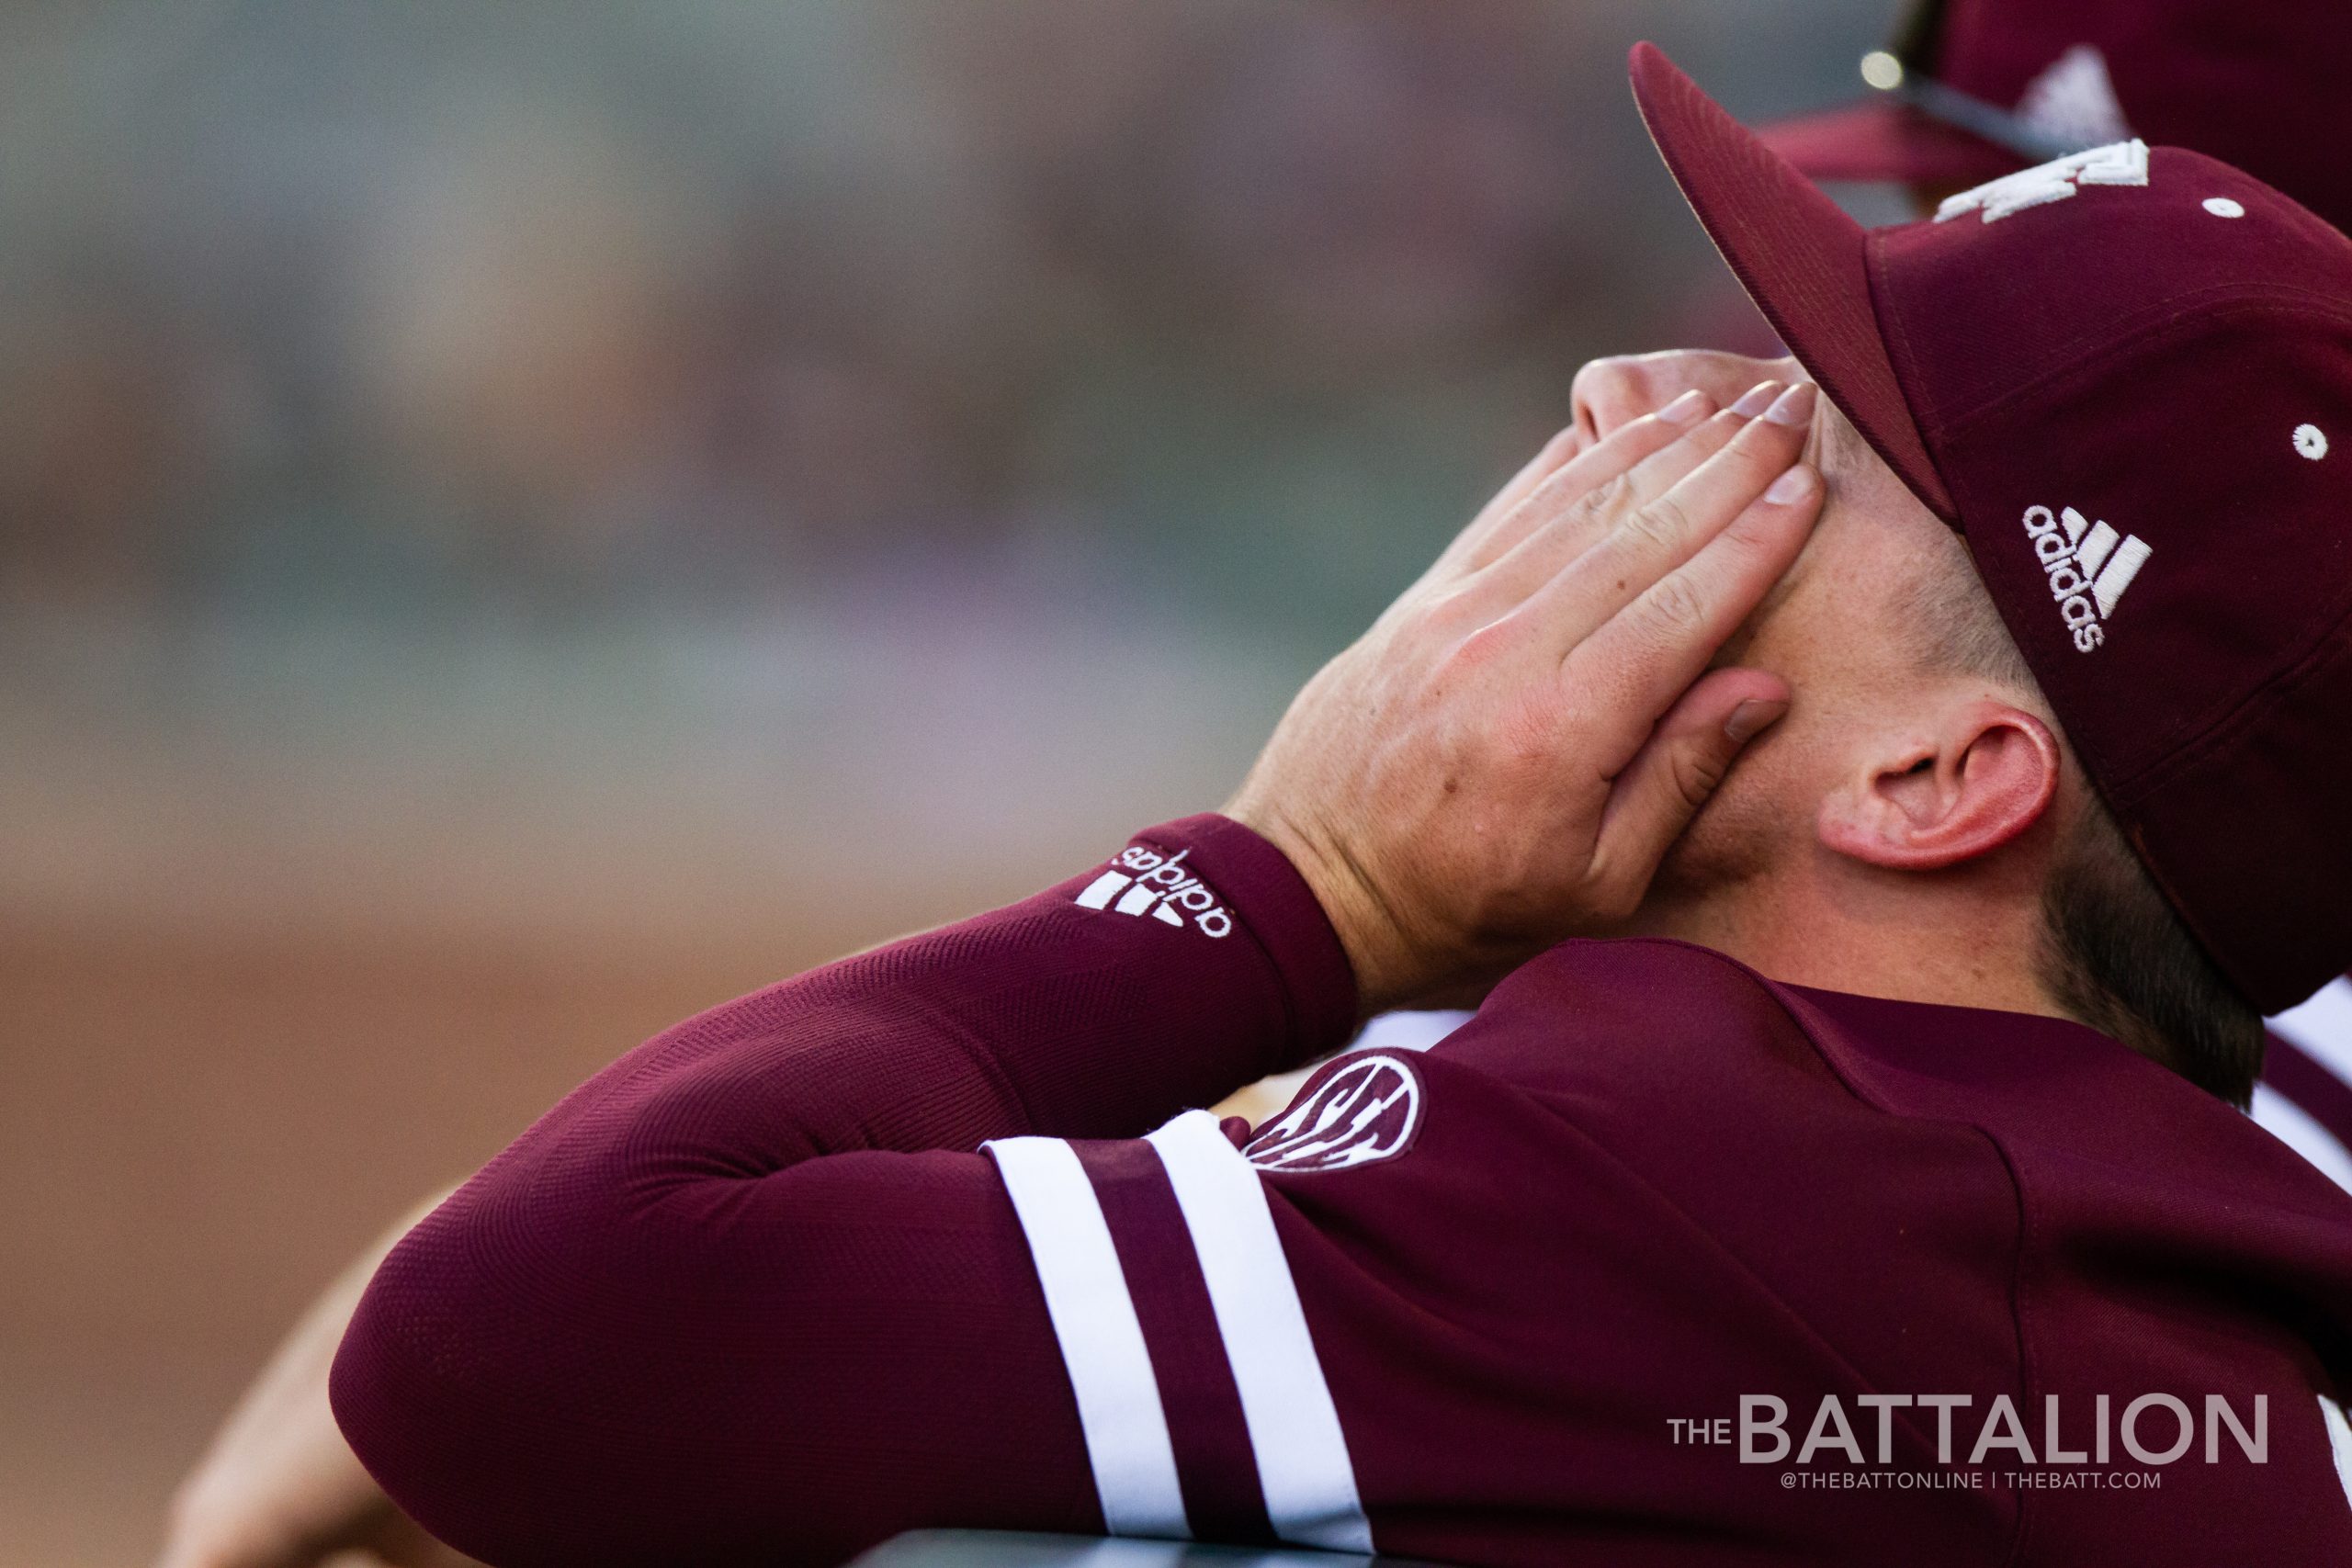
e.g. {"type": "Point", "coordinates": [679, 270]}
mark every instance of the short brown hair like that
{"type": "Point", "coordinates": [2112, 953]}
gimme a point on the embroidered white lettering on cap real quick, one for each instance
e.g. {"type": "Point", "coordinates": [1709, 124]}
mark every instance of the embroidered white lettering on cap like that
{"type": "Point", "coordinates": [2121, 164]}
{"type": "Point", "coordinates": [2222, 206]}
{"type": "Point", "coordinates": [2088, 566]}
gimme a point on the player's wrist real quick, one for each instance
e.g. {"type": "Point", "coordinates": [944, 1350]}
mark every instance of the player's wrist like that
{"type": "Point", "coordinates": [1218, 876]}
{"type": "Point", "coordinates": [1377, 951]}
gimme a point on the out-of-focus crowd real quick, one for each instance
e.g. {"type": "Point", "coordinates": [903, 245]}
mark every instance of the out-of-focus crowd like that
{"type": "Point", "coordinates": [847, 410]}
{"type": "Point", "coordinates": [589, 303]}
{"type": "Point", "coordinates": [519, 521]}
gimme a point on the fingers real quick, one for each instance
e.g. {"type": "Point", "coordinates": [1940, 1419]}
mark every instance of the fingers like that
{"type": "Point", "coordinates": [1557, 453]}
{"type": "Point", "coordinates": [1558, 533]}
{"type": "Point", "coordinates": [1717, 489]}
{"type": "Point", "coordinates": [1642, 659]}
{"type": "Point", "coordinates": [1499, 530]}
{"type": "Point", "coordinates": [1687, 756]}
{"type": "Point", "coordinates": [1656, 536]}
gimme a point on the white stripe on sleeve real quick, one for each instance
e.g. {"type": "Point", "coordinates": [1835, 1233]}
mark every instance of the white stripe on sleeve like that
{"type": "Point", "coordinates": [1102, 1343]}
{"type": "Point", "coordinates": [1310, 1485]}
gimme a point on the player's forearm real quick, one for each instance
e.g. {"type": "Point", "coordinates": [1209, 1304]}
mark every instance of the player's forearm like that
{"type": "Point", "coordinates": [1192, 961]}
{"type": "Point", "coordinates": [680, 1196]}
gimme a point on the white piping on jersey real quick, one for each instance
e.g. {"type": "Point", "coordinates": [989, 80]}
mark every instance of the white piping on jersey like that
{"type": "Point", "coordinates": [1302, 1464]}
{"type": "Point", "coordinates": [2339, 1442]}
{"type": "Point", "coordinates": [2301, 1131]}
{"type": "Point", "coordinates": [2321, 1025]}
{"type": "Point", "coordinates": [1101, 1342]}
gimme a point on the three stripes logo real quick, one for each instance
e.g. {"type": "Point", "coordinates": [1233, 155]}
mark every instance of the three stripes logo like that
{"type": "Point", "coordinates": [1145, 882]}
{"type": "Point", "coordinates": [2088, 566]}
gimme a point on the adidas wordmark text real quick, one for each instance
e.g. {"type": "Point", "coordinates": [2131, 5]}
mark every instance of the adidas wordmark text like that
{"type": "Point", "coordinates": [1145, 882]}
{"type": "Point", "coordinates": [2088, 566]}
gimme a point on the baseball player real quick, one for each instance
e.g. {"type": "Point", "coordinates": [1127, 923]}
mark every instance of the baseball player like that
{"type": "Point", "coordinates": [1971, 90]}
{"type": "Point", "coordinates": [1936, 780]}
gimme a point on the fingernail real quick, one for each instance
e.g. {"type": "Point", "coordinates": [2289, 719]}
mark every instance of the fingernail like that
{"type": "Point", "coordinates": [1684, 408]}
{"type": "Point", "coordinates": [1794, 406]}
{"type": "Point", "coordinates": [1755, 399]}
{"type": "Point", "coordinates": [1794, 485]}
{"type": "Point", "coordinates": [1750, 717]}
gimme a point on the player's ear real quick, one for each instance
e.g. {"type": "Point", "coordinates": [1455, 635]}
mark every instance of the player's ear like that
{"type": "Point", "coordinates": [1970, 779]}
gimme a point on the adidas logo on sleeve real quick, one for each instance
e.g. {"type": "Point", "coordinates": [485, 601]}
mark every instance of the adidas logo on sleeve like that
{"type": "Point", "coordinates": [1145, 882]}
{"type": "Point", "coordinates": [2088, 565]}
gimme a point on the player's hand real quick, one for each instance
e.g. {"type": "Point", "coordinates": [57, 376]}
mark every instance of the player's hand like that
{"type": "Point", "coordinates": [279, 1488]}
{"type": "Point", "coordinates": [1503, 759]}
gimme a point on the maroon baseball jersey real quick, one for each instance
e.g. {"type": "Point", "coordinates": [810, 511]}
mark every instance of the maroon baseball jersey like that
{"type": "Point", "coordinates": [1654, 1262]}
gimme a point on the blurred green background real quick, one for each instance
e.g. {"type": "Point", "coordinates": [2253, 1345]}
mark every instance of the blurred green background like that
{"type": "Point", "coordinates": [519, 521]}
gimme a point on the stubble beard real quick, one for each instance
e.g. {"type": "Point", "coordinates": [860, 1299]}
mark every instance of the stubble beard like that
{"type": "Point", "coordinates": [1711, 871]}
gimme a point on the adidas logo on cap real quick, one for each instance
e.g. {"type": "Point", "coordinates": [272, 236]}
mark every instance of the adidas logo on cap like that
{"type": "Point", "coordinates": [2088, 565]}
{"type": "Point", "coordinates": [1144, 882]}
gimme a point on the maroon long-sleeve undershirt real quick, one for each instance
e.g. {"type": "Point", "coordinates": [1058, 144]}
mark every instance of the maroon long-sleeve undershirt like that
{"type": "Point", "coordinates": [749, 1294]}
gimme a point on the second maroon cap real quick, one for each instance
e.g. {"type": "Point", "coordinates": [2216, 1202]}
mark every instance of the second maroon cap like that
{"type": "Point", "coordinates": [1982, 87]}
{"type": "Point", "coordinates": [2126, 378]}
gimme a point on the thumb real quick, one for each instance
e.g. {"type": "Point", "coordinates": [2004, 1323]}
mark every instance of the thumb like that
{"type": "Point", "coordinates": [1689, 750]}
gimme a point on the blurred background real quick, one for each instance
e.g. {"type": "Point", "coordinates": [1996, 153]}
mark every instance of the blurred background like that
{"type": "Point", "coordinates": [518, 522]}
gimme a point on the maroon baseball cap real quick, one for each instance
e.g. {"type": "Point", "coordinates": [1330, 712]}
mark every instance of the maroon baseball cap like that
{"type": "Point", "coordinates": [1976, 88]}
{"type": "Point", "coordinates": [2126, 378]}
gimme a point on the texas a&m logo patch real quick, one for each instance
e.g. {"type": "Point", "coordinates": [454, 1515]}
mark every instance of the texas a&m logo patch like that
{"type": "Point", "coordinates": [1368, 1110]}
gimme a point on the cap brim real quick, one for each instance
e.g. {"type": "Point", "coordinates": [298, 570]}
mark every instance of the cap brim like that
{"type": "Point", "coordinates": [1882, 139]}
{"type": "Point", "coordinates": [1805, 263]}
